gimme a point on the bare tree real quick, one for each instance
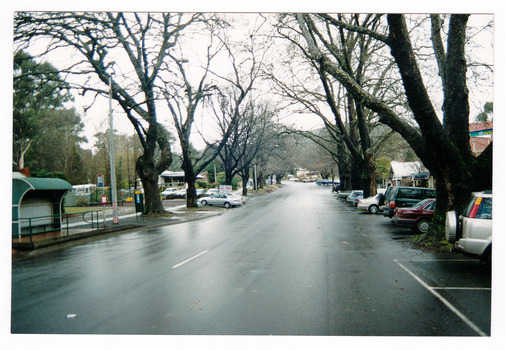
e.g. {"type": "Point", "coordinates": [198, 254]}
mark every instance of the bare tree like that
{"type": "Point", "coordinates": [345, 117]}
{"type": "Point", "coordinates": [121, 52]}
{"type": "Point", "coordinates": [183, 97]}
{"type": "Point", "coordinates": [253, 133]}
{"type": "Point", "coordinates": [443, 147]}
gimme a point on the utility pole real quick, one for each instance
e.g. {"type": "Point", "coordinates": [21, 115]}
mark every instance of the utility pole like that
{"type": "Point", "coordinates": [114, 194]}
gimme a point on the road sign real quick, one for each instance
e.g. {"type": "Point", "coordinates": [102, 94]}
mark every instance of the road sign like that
{"type": "Point", "coordinates": [100, 180]}
{"type": "Point", "coordinates": [103, 199]}
{"type": "Point", "coordinates": [225, 188]}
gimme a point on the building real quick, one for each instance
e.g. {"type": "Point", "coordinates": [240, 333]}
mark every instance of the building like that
{"type": "Point", "coordinates": [410, 174]}
{"type": "Point", "coordinates": [173, 179]}
{"type": "Point", "coordinates": [481, 135]}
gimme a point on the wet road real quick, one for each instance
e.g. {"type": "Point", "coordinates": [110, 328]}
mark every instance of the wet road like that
{"type": "Point", "coordinates": [294, 262]}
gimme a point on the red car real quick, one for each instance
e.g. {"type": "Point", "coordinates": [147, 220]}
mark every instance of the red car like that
{"type": "Point", "coordinates": [417, 217]}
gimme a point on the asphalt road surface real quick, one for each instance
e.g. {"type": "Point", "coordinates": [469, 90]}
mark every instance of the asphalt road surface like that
{"type": "Point", "coordinates": [294, 262]}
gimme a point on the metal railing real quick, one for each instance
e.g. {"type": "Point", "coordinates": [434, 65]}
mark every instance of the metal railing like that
{"type": "Point", "coordinates": [59, 222]}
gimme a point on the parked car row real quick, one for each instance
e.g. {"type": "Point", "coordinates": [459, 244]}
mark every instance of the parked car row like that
{"type": "Point", "coordinates": [171, 193]}
{"type": "Point", "coordinates": [414, 207]}
{"type": "Point", "coordinates": [407, 206]}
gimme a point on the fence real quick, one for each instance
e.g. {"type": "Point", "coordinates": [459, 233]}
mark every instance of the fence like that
{"type": "Point", "coordinates": [57, 223]}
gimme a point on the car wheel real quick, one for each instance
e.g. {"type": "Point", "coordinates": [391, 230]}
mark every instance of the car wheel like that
{"type": "Point", "coordinates": [204, 203]}
{"type": "Point", "coordinates": [451, 226]}
{"type": "Point", "coordinates": [373, 209]}
{"type": "Point", "coordinates": [227, 205]}
{"type": "Point", "coordinates": [422, 226]}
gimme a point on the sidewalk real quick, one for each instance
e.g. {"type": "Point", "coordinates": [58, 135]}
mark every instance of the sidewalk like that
{"type": "Point", "coordinates": [127, 220]}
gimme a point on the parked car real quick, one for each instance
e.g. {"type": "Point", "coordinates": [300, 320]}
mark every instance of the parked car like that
{"type": "Point", "coordinates": [200, 192]}
{"type": "Point", "coordinates": [242, 198]}
{"type": "Point", "coordinates": [403, 197]}
{"type": "Point", "coordinates": [369, 204]}
{"type": "Point", "coordinates": [354, 197]}
{"type": "Point", "coordinates": [417, 217]}
{"type": "Point", "coordinates": [324, 182]}
{"type": "Point", "coordinates": [169, 193]}
{"type": "Point", "coordinates": [212, 191]}
{"type": "Point", "coordinates": [472, 231]}
{"type": "Point", "coordinates": [343, 194]}
{"type": "Point", "coordinates": [180, 193]}
{"type": "Point", "coordinates": [226, 200]}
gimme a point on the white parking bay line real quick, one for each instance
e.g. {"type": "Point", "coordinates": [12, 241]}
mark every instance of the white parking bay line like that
{"type": "Point", "coordinates": [462, 288]}
{"type": "Point", "coordinates": [190, 259]}
{"type": "Point", "coordinates": [444, 301]}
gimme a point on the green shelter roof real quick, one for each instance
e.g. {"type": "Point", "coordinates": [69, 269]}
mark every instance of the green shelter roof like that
{"type": "Point", "coordinates": [20, 185]}
{"type": "Point", "coordinates": [41, 183]}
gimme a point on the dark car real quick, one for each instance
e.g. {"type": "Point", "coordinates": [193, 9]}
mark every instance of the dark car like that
{"type": "Point", "coordinates": [417, 217]}
{"type": "Point", "coordinates": [403, 196]}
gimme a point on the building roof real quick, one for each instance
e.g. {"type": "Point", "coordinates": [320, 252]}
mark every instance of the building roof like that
{"type": "Point", "coordinates": [482, 128]}
{"type": "Point", "coordinates": [405, 169]}
{"type": "Point", "coordinates": [172, 174]}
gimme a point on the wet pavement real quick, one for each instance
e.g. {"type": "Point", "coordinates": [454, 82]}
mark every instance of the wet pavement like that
{"type": "Point", "coordinates": [295, 262]}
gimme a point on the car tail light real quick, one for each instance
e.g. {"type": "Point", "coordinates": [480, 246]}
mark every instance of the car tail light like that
{"type": "Point", "coordinates": [392, 204]}
{"type": "Point", "coordinates": [474, 209]}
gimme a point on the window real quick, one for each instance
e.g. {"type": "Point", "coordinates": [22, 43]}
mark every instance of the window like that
{"type": "Point", "coordinates": [410, 193]}
{"type": "Point", "coordinates": [431, 206]}
{"type": "Point", "coordinates": [479, 208]}
{"type": "Point", "coordinates": [485, 209]}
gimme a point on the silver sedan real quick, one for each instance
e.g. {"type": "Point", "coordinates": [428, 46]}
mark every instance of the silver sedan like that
{"type": "Point", "coordinates": [226, 200]}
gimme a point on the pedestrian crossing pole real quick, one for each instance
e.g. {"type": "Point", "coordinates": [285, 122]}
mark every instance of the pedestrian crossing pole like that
{"type": "Point", "coordinates": [114, 194]}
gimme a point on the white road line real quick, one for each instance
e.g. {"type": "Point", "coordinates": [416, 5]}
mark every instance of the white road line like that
{"type": "Point", "coordinates": [436, 260]}
{"type": "Point", "coordinates": [444, 301]}
{"type": "Point", "coordinates": [190, 259]}
{"type": "Point", "coordinates": [462, 288]}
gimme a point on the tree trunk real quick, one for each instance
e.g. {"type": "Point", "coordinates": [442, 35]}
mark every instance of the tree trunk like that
{"type": "Point", "coordinates": [191, 193]}
{"type": "Point", "coordinates": [370, 180]}
{"type": "Point", "coordinates": [228, 176]}
{"type": "Point", "coordinates": [245, 186]}
{"type": "Point", "coordinates": [190, 177]}
{"type": "Point", "coordinates": [344, 172]}
{"type": "Point", "coordinates": [149, 178]}
{"type": "Point", "coordinates": [446, 153]}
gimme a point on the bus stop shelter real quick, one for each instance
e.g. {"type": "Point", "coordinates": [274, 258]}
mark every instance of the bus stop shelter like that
{"type": "Point", "coordinates": [37, 204]}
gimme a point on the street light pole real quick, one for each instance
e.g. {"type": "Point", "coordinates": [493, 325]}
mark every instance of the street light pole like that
{"type": "Point", "coordinates": [114, 194]}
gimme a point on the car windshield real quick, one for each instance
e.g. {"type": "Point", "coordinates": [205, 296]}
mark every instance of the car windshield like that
{"type": "Point", "coordinates": [421, 204]}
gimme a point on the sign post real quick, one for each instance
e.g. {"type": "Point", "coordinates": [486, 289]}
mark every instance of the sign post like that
{"type": "Point", "coordinates": [103, 200]}
{"type": "Point", "coordinates": [114, 194]}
